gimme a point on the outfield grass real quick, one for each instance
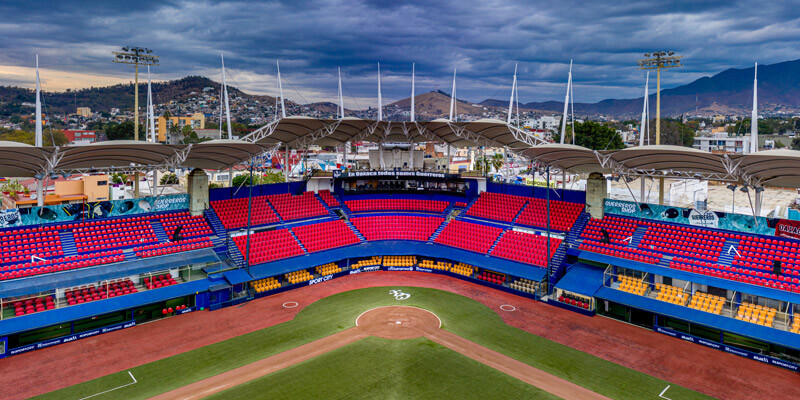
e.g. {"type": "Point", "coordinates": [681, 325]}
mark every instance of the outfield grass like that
{"type": "Point", "coordinates": [386, 369]}
{"type": "Point", "coordinates": [460, 315]}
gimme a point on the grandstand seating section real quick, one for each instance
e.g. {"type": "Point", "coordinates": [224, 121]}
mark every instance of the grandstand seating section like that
{"type": "Point", "coordinates": [193, 225]}
{"type": "Point", "coordinates": [110, 233]}
{"type": "Point", "coordinates": [399, 261]}
{"type": "Point", "coordinates": [527, 248]}
{"type": "Point", "coordinates": [298, 276]}
{"type": "Point", "coordinates": [233, 212]}
{"type": "Point", "coordinates": [492, 277]}
{"type": "Point", "coordinates": [158, 281]}
{"type": "Point", "coordinates": [34, 305]}
{"type": "Point", "coordinates": [707, 302]}
{"type": "Point", "coordinates": [302, 206]}
{"type": "Point", "coordinates": [325, 235]}
{"type": "Point", "coordinates": [329, 198]}
{"type": "Point", "coordinates": [468, 236]}
{"type": "Point", "coordinates": [19, 244]}
{"type": "Point", "coordinates": [437, 265]}
{"type": "Point", "coordinates": [88, 293]}
{"type": "Point", "coordinates": [632, 285]}
{"type": "Point", "coordinates": [757, 314]}
{"type": "Point", "coordinates": [618, 229]}
{"type": "Point", "coordinates": [160, 249]}
{"type": "Point", "coordinates": [747, 273]}
{"type": "Point", "coordinates": [372, 261]}
{"type": "Point", "coordinates": [795, 328]}
{"type": "Point", "coordinates": [265, 285]}
{"type": "Point", "coordinates": [671, 294]}
{"type": "Point", "coordinates": [683, 241]}
{"type": "Point", "coordinates": [621, 251]}
{"type": "Point", "coordinates": [563, 214]}
{"type": "Point", "coordinates": [576, 300]}
{"type": "Point", "coordinates": [433, 206]}
{"type": "Point", "coordinates": [525, 285]}
{"type": "Point", "coordinates": [462, 269]}
{"type": "Point", "coordinates": [60, 264]}
{"type": "Point", "coordinates": [497, 206]}
{"type": "Point", "coordinates": [328, 269]}
{"type": "Point", "coordinates": [268, 246]}
{"type": "Point", "coordinates": [396, 227]}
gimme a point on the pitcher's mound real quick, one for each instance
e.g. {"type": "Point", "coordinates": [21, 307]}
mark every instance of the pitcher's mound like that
{"type": "Point", "coordinates": [398, 322]}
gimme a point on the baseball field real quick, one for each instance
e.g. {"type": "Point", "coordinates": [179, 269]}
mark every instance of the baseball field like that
{"type": "Point", "coordinates": [393, 353]}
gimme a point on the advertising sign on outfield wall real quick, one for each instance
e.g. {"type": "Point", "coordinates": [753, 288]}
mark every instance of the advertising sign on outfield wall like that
{"type": "Point", "coordinates": [690, 216]}
{"type": "Point", "coordinates": [788, 229]}
{"type": "Point", "coordinates": [100, 209]}
{"type": "Point", "coordinates": [728, 349]}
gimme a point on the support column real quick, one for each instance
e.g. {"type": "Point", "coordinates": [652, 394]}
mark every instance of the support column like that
{"type": "Point", "coordinates": [197, 188]}
{"type": "Point", "coordinates": [344, 166]}
{"type": "Point", "coordinates": [136, 185]}
{"type": "Point", "coordinates": [155, 183]}
{"type": "Point", "coordinates": [596, 193]}
{"type": "Point", "coordinates": [380, 156]}
{"type": "Point", "coordinates": [230, 177]}
{"type": "Point", "coordinates": [563, 180]}
{"type": "Point", "coordinates": [39, 193]}
{"type": "Point", "coordinates": [448, 158]}
{"type": "Point", "coordinates": [411, 155]}
{"type": "Point", "coordinates": [759, 198]}
{"type": "Point", "coordinates": [642, 192]}
{"type": "Point", "coordinates": [286, 163]}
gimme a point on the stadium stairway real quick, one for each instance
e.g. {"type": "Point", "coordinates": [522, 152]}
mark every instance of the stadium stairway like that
{"type": "Point", "coordinates": [438, 231]}
{"type": "Point", "coordinates": [353, 228]}
{"type": "Point", "coordinates": [158, 229]}
{"type": "Point", "coordinates": [559, 266]}
{"type": "Point", "coordinates": [68, 243]}
{"type": "Point", "coordinates": [500, 236]}
{"type": "Point", "coordinates": [236, 256]}
{"type": "Point", "coordinates": [214, 222]}
{"type": "Point", "coordinates": [327, 207]}
{"type": "Point", "coordinates": [297, 239]}
{"type": "Point", "coordinates": [575, 232]}
{"type": "Point", "coordinates": [727, 254]}
{"type": "Point", "coordinates": [514, 220]}
{"type": "Point", "coordinates": [638, 235]}
{"type": "Point", "coordinates": [275, 210]}
{"type": "Point", "coordinates": [469, 205]}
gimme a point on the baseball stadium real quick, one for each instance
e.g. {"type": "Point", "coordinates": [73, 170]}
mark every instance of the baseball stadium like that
{"type": "Point", "coordinates": [397, 276]}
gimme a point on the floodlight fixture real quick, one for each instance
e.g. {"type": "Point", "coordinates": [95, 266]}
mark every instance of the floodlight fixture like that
{"type": "Point", "coordinates": [135, 56]}
{"type": "Point", "coordinates": [732, 187]}
{"type": "Point", "coordinates": [744, 189]}
{"type": "Point", "coordinates": [759, 189]}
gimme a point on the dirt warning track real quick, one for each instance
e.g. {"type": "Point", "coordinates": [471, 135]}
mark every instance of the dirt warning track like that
{"type": "Point", "coordinates": [392, 322]}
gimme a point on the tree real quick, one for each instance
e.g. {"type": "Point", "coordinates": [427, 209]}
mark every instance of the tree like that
{"type": "Point", "coordinates": [169, 179]}
{"type": "Point", "coordinates": [676, 133]}
{"type": "Point", "coordinates": [49, 138]}
{"type": "Point", "coordinates": [242, 180]}
{"type": "Point", "coordinates": [121, 131]}
{"type": "Point", "coordinates": [166, 115]}
{"type": "Point", "coordinates": [796, 143]}
{"type": "Point", "coordinates": [117, 178]}
{"type": "Point", "coordinates": [596, 136]}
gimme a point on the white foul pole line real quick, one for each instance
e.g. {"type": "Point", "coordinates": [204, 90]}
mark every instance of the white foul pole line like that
{"type": "Point", "coordinates": [111, 390]}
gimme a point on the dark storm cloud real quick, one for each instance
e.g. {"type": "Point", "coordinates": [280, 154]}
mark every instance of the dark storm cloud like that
{"type": "Point", "coordinates": [483, 39]}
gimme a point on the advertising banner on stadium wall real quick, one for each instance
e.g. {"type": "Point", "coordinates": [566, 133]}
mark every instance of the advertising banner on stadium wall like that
{"type": "Point", "coordinates": [100, 209]}
{"type": "Point", "coordinates": [690, 216]}
{"type": "Point", "coordinates": [728, 349]}
{"type": "Point", "coordinates": [788, 229]}
{"type": "Point", "coordinates": [70, 338]}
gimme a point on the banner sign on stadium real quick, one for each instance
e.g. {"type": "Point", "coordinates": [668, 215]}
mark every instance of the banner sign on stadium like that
{"type": "Point", "coordinates": [788, 229]}
{"type": "Point", "coordinates": [70, 338]}
{"type": "Point", "coordinates": [100, 209]}
{"type": "Point", "coordinates": [728, 349]}
{"type": "Point", "coordinates": [690, 216]}
{"type": "Point", "coordinates": [392, 174]}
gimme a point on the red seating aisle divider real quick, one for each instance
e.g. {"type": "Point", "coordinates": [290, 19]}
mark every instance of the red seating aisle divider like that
{"type": "Point", "coordinates": [468, 236]}
{"type": "Point", "coordinates": [325, 235]}
{"type": "Point", "coordinates": [435, 206]}
{"type": "Point", "coordinates": [192, 225]}
{"type": "Point", "coordinates": [388, 227]}
{"type": "Point", "coordinates": [683, 241]}
{"type": "Point", "coordinates": [102, 234]}
{"type": "Point", "coordinates": [329, 198]}
{"type": "Point", "coordinates": [291, 207]}
{"type": "Point", "coordinates": [527, 248]}
{"type": "Point", "coordinates": [268, 246]}
{"type": "Point", "coordinates": [233, 212]}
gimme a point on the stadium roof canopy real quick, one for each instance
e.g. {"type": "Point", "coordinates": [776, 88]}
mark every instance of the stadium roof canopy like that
{"type": "Point", "coordinates": [23, 160]}
{"type": "Point", "coordinates": [566, 157]}
{"type": "Point", "coordinates": [221, 154]}
{"type": "Point", "coordinates": [299, 132]}
{"type": "Point", "coordinates": [669, 162]}
{"type": "Point", "coordinates": [776, 168]}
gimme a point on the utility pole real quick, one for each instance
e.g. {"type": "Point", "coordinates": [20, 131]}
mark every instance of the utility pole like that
{"type": "Point", "coordinates": [659, 60]}
{"type": "Point", "coordinates": [135, 56]}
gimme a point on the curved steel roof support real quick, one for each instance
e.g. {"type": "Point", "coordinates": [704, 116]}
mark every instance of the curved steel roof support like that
{"type": "Point", "coordinates": [176, 160]}
{"type": "Point", "coordinates": [263, 132]}
{"type": "Point", "coordinates": [464, 133]}
{"type": "Point", "coordinates": [325, 131]}
{"type": "Point", "coordinates": [368, 131]}
{"type": "Point", "coordinates": [524, 136]}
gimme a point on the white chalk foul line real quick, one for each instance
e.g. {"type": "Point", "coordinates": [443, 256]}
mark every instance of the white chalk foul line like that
{"type": "Point", "coordinates": [111, 390]}
{"type": "Point", "coordinates": [664, 391]}
{"type": "Point", "coordinates": [434, 314]}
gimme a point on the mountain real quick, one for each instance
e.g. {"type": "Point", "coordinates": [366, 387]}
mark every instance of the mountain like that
{"type": "Point", "coordinates": [118, 96]}
{"type": "Point", "coordinates": [436, 104]}
{"type": "Point", "coordinates": [728, 92]}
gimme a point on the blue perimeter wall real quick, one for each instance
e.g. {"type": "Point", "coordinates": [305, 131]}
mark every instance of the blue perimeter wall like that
{"type": "Point", "coordinates": [572, 196]}
{"type": "Point", "coordinates": [258, 190]}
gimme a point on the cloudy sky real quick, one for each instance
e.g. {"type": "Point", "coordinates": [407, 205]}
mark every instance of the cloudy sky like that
{"type": "Point", "coordinates": [483, 39]}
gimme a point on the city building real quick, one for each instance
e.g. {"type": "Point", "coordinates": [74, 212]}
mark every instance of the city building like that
{"type": "Point", "coordinates": [80, 137]}
{"type": "Point", "coordinates": [163, 125]}
{"type": "Point", "coordinates": [84, 112]}
{"type": "Point", "coordinates": [720, 142]}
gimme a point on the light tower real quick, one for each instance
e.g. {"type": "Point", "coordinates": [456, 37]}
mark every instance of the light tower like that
{"type": "Point", "coordinates": [659, 60]}
{"type": "Point", "coordinates": [135, 56]}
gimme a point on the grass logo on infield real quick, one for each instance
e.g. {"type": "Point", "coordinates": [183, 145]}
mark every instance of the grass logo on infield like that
{"type": "Point", "coordinates": [399, 295]}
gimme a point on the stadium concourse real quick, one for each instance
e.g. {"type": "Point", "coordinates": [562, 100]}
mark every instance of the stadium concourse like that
{"type": "Point", "coordinates": [725, 281]}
